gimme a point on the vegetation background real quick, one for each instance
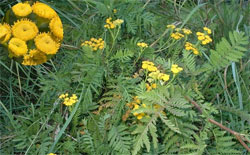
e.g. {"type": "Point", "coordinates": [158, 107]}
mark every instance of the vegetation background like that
{"type": "Point", "coordinates": [33, 120]}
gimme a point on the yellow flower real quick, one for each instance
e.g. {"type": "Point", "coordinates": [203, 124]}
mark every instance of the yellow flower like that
{"type": "Point", "coordinates": [165, 77]}
{"type": "Point", "coordinates": [43, 10]}
{"type": "Point", "coordinates": [148, 87]}
{"type": "Point", "coordinates": [68, 101]}
{"type": "Point", "coordinates": [118, 22]}
{"type": "Point", "coordinates": [175, 69]}
{"type": "Point", "coordinates": [46, 44]}
{"type": "Point", "coordinates": [56, 27]}
{"type": "Point", "coordinates": [136, 106]}
{"type": "Point", "coordinates": [18, 47]}
{"type": "Point", "coordinates": [177, 35]}
{"type": "Point", "coordinates": [5, 33]}
{"type": "Point", "coordinates": [208, 30]}
{"type": "Point", "coordinates": [189, 46]}
{"type": "Point", "coordinates": [94, 43]}
{"type": "Point", "coordinates": [171, 26]}
{"type": "Point", "coordinates": [35, 57]}
{"type": "Point", "coordinates": [142, 44]}
{"type": "Point", "coordinates": [22, 9]}
{"type": "Point", "coordinates": [115, 11]}
{"type": "Point", "coordinates": [51, 154]}
{"type": "Point", "coordinates": [24, 29]}
{"type": "Point", "coordinates": [140, 116]}
{"type": "Point", "coordinates": [154, 85]}
{"type": "Point", "coordinates": [186, 31]}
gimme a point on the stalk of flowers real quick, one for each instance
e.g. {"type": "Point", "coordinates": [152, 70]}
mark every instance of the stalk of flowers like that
{"type": "Point", "coordinates": [189, 46]}
{"type": "Point", "coordinates": [94, 43]}
{"type": "Point", "coordinates": [68, 100]}
{"type": "Point", "coordinates": [112, 24]}
{"type": "Point", "coordinates": [28, 42]}
{"type": "Point", "coordinates": [204, 37]}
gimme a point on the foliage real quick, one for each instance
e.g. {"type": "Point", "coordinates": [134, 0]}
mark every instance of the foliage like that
{"type": "Point", "coordinates": [120, 110]}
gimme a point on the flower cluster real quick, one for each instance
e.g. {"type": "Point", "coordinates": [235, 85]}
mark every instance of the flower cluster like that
{"type": "Point", "coordinates": [68, 101]}
{"type": "Point", "coordinates": [142, 44]}
{"type": "Point", "coordinates": [171, 26]}
{"type": "Point", "coordinates": [29, 41]}
{"type": "Point", "coordinates": [186, 31]}
{"type": "Point", "coordinates": [177, 35]}
{"type": "Point", "coordinates": [94, 43]}
{"type": "Point", "coordinates": [189, 46]}
{"type": "Point", "coordinates": [135, 105]}
{"type": "Point", "coordinates": [150, 87]}
{"type": "Point", "coordinates": [176, 69]}
{"type": "Point", "coordinates": [150, 66]}
{"type": "Point", "coordinates": [157, 75]}
{"type": "Point", "coordinates": [112, 24]}
{"type": "Point", "coordinates": [204, 37]}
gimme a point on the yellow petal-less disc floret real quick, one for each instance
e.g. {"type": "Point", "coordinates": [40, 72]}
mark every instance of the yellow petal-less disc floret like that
{"type": "Point", "coordinates": [5, 33]}
{"type": "Point", "coordinates": [35, 57]}
{"type": "Point", "coordinates": [45, 43]}
{"type": "Point", "coordinates": [56, 27]}
{"type": "Point", "coordinates": [22, 9]}
{"type": "Point", "coordinates": [24, 29]}
{"type": "Point", "coordinates": [43, 10]}
{"type": "Point", "coordinates": [18, 47]}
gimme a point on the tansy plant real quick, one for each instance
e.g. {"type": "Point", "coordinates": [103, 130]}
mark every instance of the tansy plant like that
{"type": "Point", "coordinates": [32, 33]}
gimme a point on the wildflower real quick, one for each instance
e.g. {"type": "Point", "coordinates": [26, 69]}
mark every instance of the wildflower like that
{"type": "Point", "coordinates": [154, 85]}
{"type": "Point", "coordinates": [154, 75]}
{"type": "Point", "coordinates": [51, 154]}
{"type": "Point", "coordinates": [22, 9]}
{"type": "Point", "coordinates": [189, 46]}
{"type": "Point", "coordinates": [5, 33]}
{"type": "Point", "coordinates": [205, 39]}
{"type": "Point", "coordinates": [94, 43]}
{"type": "Point", "coordinates": [35, 57]}
{"type": "Point", "coordinates": [175, 69]}
{"type": "Point", "coordinates": [43, 10]}
{"type": "Point", "coordinates": [56, 27]}
{"type": "Point", "coordinates": [186, 31]}
{"type": "Point", "coordinates": [164, 77]}
{"type": "Point", "coordinates": [177, 35]}
{"type": "Point", "coordinates": [149, 66]}
{"type": "Point", "coordinates": [24, 29]}
{"type": "Point", "coordinates": [46, 44]}
{"type": "Point", "coordinates": [68, 101]}
{"type": "Point", "coordinates": [208, 30]}
{"type": "Point", "coordinates": [140, 116]}
{"type": "Point", "coordinates": [136, 100]}
{"type": "Point", "coordinates": [118, 22]}
{"type": "Point", "coordinates": [148, 87]}
{"type": "Point", "coordinates": [115, 11]}
{"type": "Point", "coordinates": [18, 47]}
{"type": "Point", "coordinates": [171, 26]}
{"type": "Point", "coordinates": [142, 44]}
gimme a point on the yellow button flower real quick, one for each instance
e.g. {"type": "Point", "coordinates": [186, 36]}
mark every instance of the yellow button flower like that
{"type": "Point", "coordinates": [22, 9]}
{"type": "Point", "coordinates": [171, 26]}
{"type": "Point", "coordinates": [43, 10]}
{"type": "Point", "coordinates": [24, 29]}
{"type": "Point", "coordinates": [175, 69]}
{"type": "Point", "coordinates": [56, 27]}
{"type": "Point", "coordinates": [45, 43]}
{"type": "Point", "coordinates": [35, 57]}
{"type": "Point", "coordinates": [5, 33]}
{"type": "Point", "coordinates": [18, 47]}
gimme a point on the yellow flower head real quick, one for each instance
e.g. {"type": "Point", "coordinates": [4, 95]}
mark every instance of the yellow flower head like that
{"type": "Point", "coordinates": [115, 11]}
{"type": "Point", "coordinates": [56, 27]}
{"type": "Point", "coordinates": [94, 43]}
{"type": "Point", "coordinates": [68, 101]}
{"type": "Point", "coordinates": [35, 57]}
{"type": "Point", "coordinates": [22, 9]}
{"type": "Point", "coordinates": [164, 77]}
{"type": "Point", "coordinates": [208, 30]}
{"type": "Point", "coordinates": [171, 26]}
{"type": "Point", "coordinates": [24, 29]}
{"type": "Point", "coordinates": [5, 33]}
{"type": "Point", "coordinates": [186, 31]}
{"type": "Point", "coordinates": [142, 44]}
{"type": "Point", "coordinates": [140, 116]}
{"type": "Point", "coordinates": [189, 46]}
{"type": "Point", "coordinates": [51, 154]}
{"type": "Point", "coordinates": [118, 22]}
{"type": "Point", "coordinates": [45, 43]}
{"type": "Point", "coordinates": [43, 10]}
{"type": "Point", "coordinates": [18, 47]}
{"type": "Point", "coordinates": [177, 35]}
{"type": "Point", "coordinates": [175, 69]}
